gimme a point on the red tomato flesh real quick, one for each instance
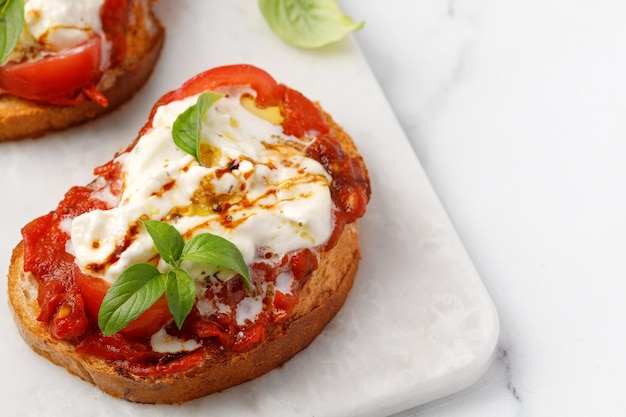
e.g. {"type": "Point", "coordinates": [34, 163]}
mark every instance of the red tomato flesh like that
{"type": "Point", "coordinates": [269, 92]}
{"type": "Point", "coordinates": [300, 114]}
{"type": "Point", "coordinates": [58, 78]}
{"type": "Point", "coordinates": [149, 322]}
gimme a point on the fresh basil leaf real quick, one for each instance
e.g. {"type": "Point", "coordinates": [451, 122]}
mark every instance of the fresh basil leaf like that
{"type": "Point", "coordinates": [141, 285]}
{"type": "Point", "coordinates": [180, 290]}
{"type": "Point", "coordinates": [135, 290]}
{"type": "Point", "coordinates": [183, 130]}
{"type": "Point", "coordinates": [307, 23]}
{"type": "Point", "coordinates": [205, 101]}
{"type": "Point", "coordinates": [214, 250]}
{"type": "Point", "coordinates": [187, 126]}
{"type": "Point", "coordinates": [11, 26]}
{"type": "Point", "coordinates": [168, 241]}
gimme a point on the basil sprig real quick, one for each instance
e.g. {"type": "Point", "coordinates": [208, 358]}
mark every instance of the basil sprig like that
{"type": "Point", "coordinates": [11, 25]}
{"type": "Point", "coordinates": [188, 125]}
{"type": "Point", "coordinates": [307, 23]}
{"type": "Point", "coordinates": [141, 285]}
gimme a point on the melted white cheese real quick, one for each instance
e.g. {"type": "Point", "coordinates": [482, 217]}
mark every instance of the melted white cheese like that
{"type": "Point", "coordinates": [279, 198]}
{"type": "Point", "coordinates": [62, 23]}
{"type": "Point", "coordinates": [53, 25]}
{"type": "Point", "coordinates": [162, 342]}
{"type": "Point", "coordinates": [284, 282]}
{"type": "Point", "coordinates": [248, 309]}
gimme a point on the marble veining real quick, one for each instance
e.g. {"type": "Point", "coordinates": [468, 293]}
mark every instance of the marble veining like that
{"type": "Point", "coordinates": [503, 357]}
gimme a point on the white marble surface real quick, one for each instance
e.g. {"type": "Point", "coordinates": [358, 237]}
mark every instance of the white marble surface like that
{"type": "Point", "coordinates": [418, 324]}
{"type": "Point", "coordinates": [517, 110]}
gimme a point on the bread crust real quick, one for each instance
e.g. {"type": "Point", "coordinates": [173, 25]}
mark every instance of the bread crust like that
{"type": "Point", "coordinates": [322, 296]}
{"type": "Point", "coordinates": [21, 118]}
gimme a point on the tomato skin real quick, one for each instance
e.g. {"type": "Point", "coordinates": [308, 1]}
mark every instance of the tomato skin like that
{"type": "Point", "coordinates": [94, 289]}
{"type": "Point", "coordinates": [112, 172]}
{"type": "Point", "coordinates": [285, 303]}
{"type": "Point", "coordinates": [220, 327]}
{"type": "Point", "coordinates": [62, 305]}
{"type": "Point", "coordinates": [301, 115]}
{"type": "Point", "coordinates": [303, 263]}
{"type": "Point", "coordinates": [116, 347]}
{"type": "Point", "coordinates": [58, 78]}
{"type": "Point", "coordinates": [37, 257]}
{"type": "Point", "coordinates": [168, 364]}
{"type": "Point", "coordinates": [114, 17]}
{"type": "Point", "coordinates": [249, 337]}
{"type": "Point", "coordinates": [350, 188]}
{"type": "Point", "coordinates": [70, 321]}
{"type": "Point", "coordinates": [50, 297]}
{"type": "Point", "coordinates": [44, 240]}
{"type": "Point", "coordinates": [269, 92]}
{"type": "Point", "coordinates": [149, 322]}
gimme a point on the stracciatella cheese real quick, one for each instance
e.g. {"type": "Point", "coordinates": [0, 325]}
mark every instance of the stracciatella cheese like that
{"type": "Point", "coordinates": [53, 25]}
{"type": "Point", "coordinates": [62, 23]}
{"type": "Point", "coordinates": [165, 343]}
{"type": "Point", "coordinates": [255, 187]}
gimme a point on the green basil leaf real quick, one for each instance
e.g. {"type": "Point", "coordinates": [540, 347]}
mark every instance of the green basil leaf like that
{"type": "Point", "coordinates": [214, 250]}
{"type": "Point", "coordinates": [180, 290]}
{"type": "Point", "coordinates": [183, 130]}
{"type": "Point", "coordinates": [11, 26]}
{"type": "Point", "coordinates": [168, 241]}
{"type": "Point", "coordinates": [307, 23]}
{"type": "Point", "coordinates": [136, 289]}
{"type": "Point", "coordinates": [187, 126]}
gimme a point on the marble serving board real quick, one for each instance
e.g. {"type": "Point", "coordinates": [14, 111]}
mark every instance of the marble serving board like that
{"type": "Point", "coordinates": [418, 324]}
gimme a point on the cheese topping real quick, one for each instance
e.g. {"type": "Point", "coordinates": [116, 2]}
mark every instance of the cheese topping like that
{"type": "Point", "coordinates": [162, 342]}
{"type": "Point", "coordinates": [256, 188]}
{"type": "Point", "coordinates": [53, 25]}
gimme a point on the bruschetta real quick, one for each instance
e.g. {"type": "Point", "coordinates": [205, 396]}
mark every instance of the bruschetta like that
{"type": "Point", "coordinates": [74, 61]}
{"type": "Point", "coordinates": [239, 199]}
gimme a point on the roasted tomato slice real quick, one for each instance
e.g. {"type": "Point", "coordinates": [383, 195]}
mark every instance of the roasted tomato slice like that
{"type": "Point", "coordinates": [299, 113]}
{"type": "Point", "coordinates": [66, 77]}
{"type": "Point", "coordinates": [269, 92]}
{"type": "Point", "coordinates": [151, 321]}
{"type": "Point", "coordinates": [114, 15]}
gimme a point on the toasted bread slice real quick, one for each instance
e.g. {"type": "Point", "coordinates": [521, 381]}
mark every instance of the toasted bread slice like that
{"type": "Point", "coordinates": [321, 296]}
{"type": "Point", "coordinates": [22, 118]}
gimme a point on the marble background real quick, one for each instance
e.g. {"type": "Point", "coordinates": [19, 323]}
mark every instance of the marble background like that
{"type": "Point", "coordinates": [397, 342]}
{"type": "Point", "coordinates": [517, 110]}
